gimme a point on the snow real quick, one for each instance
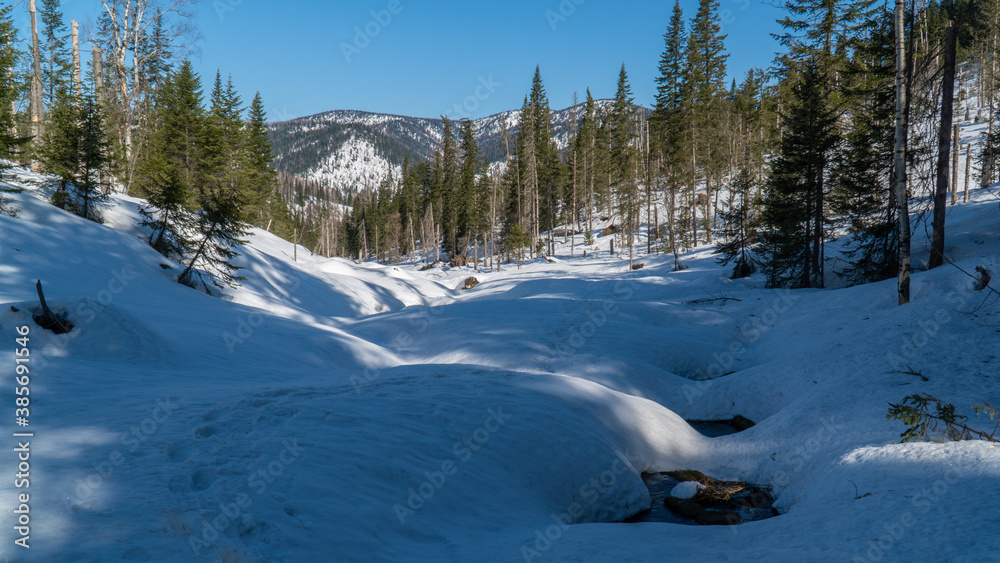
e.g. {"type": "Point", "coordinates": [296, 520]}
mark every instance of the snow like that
{"type": "Point", "coordinates": [686, 490]}
{"type": "Point", "coordinates": [334, 411]}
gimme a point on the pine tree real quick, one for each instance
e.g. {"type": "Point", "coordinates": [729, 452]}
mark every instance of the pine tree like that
{"type": "Point", "coordinates": [172, 168]}
{"type": "Point", "coordinates": [468, 197]}
{"type": "Point", "coordinates": [791, 244]}
{"type": "Point", "coordinates": [57, 62]}
{"type": "Point", "coordinates": [267, 208]}
{"type": "Point", "coordinates": [59, 148]}
{"type": "Point", "coordinates": [94, 153]}
{"type": "Point", "coordinates": [620, 124]}
{"type": "Point", "coordinates": [861, 178]}
{"type": "Point", "coordinates": [740, 227]}
{"type": "Point", "coordinates": [11, 88]}
{"type": "Point", "coordinates": [706, 74]}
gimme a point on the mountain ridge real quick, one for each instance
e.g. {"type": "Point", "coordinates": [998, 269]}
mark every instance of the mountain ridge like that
{"type": "Point", "coordinates": [350, 150]}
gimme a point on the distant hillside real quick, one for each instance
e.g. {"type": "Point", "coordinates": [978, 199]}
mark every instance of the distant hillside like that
{"type": "Point", "coordinates": [347, 151]}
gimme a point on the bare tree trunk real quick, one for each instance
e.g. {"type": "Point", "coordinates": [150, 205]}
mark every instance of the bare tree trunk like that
{"type": "Point", "coordinates": [956, 149]}
{"type": "Point", "coordinates": [968, 171]}
{"type": "Point", "coordinates": [944, 144]}
{"type": "Point", "coordinates": [77, 80]}
{"type": "Point", "coordinates": [99, 73]}
{"type": "Point", "coordinates": [37, 109]}
{"type": "Point", "coordinates": [899, 158]}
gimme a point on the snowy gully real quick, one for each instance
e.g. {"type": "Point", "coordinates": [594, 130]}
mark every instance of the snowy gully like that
{"type": "Point", "coordinates": [22, 514]}
{"type": "Point", "coordinates": [463, 450]}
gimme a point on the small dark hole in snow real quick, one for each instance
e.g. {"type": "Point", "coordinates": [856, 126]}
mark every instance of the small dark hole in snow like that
{"type": "Point", "coordinates": [717, 428]}
{"type": "Point", "coordinates": [55, 324]}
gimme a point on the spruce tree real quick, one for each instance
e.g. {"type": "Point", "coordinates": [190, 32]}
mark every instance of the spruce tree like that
{"type": "Point", "coordinates": [220, 223]}
{"type": "Point", "coordinates": [57, 61]}
{"type": "Point", "coordinates": [94, 153]}
{"type": "Point", "coordinates": [59, 148]}
{"type": "Point", "coordinates": [11, 88]}
{"type": "Point", "coordinates": [739, 227]}
{"type": "Point", "coordinates": [706, 74]}
{"type": "Point", "coordinates": [794, 219]}
{"type": "Point", "coordinates": [861, 178]}
{"type": "Point", "coordinates": [621, 127]}
{"type": "Point", "coordinates": [173, 166]}
{"type": "Point", "coordinates": [468, 196]}
{"type": "Point", "coordinates": [267, 208]}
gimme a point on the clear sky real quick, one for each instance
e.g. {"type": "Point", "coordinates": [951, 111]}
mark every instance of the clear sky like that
{"type": "Point", "coordinates": [461, 58]}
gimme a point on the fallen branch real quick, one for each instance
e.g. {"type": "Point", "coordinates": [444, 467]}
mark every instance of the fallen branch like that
{"type": "Point", "coordinates": [724, 300]}
{"type": "Point", "coordinates": [47, 319]}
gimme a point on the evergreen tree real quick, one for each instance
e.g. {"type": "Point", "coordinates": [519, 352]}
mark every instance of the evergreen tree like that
{"type": "Point", "coordinates": [861, 178]}
{"type": "Point", "coordinates": [621, 127]}
{"type": "Point", "coordinates": [173, 166]}
{"type": "Point", "coordinates": [11, 87]}
{"type": "Point", "coordinates": [267, 208]}
{"type": "Point", "coordinates": [221, 221]}
{"type": "Point", "coordinates": [791, 244]}
{"type": "Point", "coordinates": [706, 74]}
{"type": "Point", "coordinates": [57, 61]}
{"type": "Point", "coordinates": [447, 188]}
{"type": "Point", "coordinates": [740, 228]}
{"type": "Point", "coordinates": [94, 153]}
{"type": "Point", "coordinates": [59, 148]}
{"type": "Point", "coordinates": [468, 197]}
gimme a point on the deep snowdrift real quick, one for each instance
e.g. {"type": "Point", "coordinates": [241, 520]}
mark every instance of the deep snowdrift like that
{"type": "Point", "coordinates": [333, 411]}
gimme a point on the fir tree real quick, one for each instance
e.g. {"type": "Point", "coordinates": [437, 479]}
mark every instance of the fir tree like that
{"type": "Point", "coordinates": [266, 206]}
{"type": "Point", "coordinates": [11, 88]}
{"type": "Point", "coordinates": [862, 169]}
{"type": "Point", "coordinates": [791, 244]}
{"type": "Point", "coordinates": [93, 153]}
{"type": "Point", "coordinates": [57, 61]}
{"type": "Point", "coordinates": [173, 166]}
{"type": "Point", "coordinates": [739, 227]}
{"type": "Point", "coordinates": [59, 148]}
{"type": "Point", "coordinates": [620, 124]}
{"type": "Point", "coordinates": [469, 200]}
{"type": "Point", "coordinates": [706, 74]}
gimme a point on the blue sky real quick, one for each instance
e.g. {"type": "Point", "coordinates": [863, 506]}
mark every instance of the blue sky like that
{"type": "Point", "coordinates": [461, 58]}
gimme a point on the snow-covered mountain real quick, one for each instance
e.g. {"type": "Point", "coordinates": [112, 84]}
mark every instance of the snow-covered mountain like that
{"type": "Point", "coordinates": [350, 150]}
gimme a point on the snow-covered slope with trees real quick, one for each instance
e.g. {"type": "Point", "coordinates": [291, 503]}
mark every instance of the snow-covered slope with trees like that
{"type": "Point", "coordinates": [330, 411]}
{"type": "Point", "coordinates": [351, 150]}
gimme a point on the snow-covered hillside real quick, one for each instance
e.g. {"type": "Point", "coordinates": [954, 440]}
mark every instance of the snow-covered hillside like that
{"type": "Point", "coordinates": [350, 150]}
{"type": "Point", "coordinates": [330, 411]}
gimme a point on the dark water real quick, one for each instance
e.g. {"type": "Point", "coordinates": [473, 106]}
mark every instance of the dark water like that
{"type": "Point", "coordinates": [660, 485]}
{"type": "Point", "coordinates": [753, 504]}
{"type": "Point", "coordinates": [713, 428]}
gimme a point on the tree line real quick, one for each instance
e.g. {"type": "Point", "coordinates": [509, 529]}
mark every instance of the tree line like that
{"type": "Point", "coordinates": [139, 123]}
